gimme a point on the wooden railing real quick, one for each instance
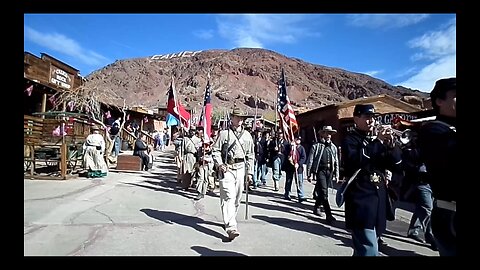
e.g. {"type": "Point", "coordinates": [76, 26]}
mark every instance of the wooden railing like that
{"type": "Point", "coordinates": [149, 138]}
{"type": "Point", "coordinates": [130, 137]}
{"type": "Point", "coordinates": [63, 150]}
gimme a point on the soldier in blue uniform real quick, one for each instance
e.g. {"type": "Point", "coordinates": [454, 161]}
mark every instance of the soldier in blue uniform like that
{"type": "Point", "coordinates": [368, 156]}
{"type": "Point", "coordinates": [437, 142]}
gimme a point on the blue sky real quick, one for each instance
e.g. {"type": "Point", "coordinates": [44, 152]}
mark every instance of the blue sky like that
{"type": "Point", "coordinates": [413, 50]}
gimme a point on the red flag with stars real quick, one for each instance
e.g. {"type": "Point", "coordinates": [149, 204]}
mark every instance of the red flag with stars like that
{"type": "Point", "coordinates": [205, 118]}
{"type": "Point", "coordinates": [175, 108]}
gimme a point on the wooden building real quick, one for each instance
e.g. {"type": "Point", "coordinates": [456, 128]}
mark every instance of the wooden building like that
{"type": "Point", "coordinates": [43, 78]}
{"type": "Point", "coordinates": [340, 116]}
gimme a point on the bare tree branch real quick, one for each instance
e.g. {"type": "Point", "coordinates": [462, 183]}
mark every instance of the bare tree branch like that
{"type": "Point", "coordinates": [89, 100]}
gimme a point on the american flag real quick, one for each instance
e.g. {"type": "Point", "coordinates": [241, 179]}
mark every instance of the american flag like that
{"type": "Point", "coordinates": [206, 113]}
{"type": "Point", "coordinates": [288, 121]}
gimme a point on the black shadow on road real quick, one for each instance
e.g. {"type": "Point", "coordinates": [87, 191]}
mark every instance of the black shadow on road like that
{"type": "Point", "coordinates": [396, 232]}
{"type": "Point", "coordinates": [279, 208]}
{"type": "Point", "coordinates": [203, 251]}
{"type": "Point", "coordinates": [169, 167]}
{"type": "Point", "coordinates": [166, 187]}
{"type": "Point", "coordinates": [284, 209]}
{"type": "Point", "coordinates": [326, 232]}
{"type": "Point", "coordinates": [306, 207]}
{"type": "Point", "coordinates": [184, 220]}
{"type": "Point", "coordinates": [166, 155]}
{"type": "Point", "coordinates": [302, 226]}
{"type": "Point", "coordinates": [165, 176]}
{"type": "Point", "coordinates": [390, 251]}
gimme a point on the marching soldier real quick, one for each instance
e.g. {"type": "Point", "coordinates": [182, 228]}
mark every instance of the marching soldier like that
{"type": "Point", "coordinates": [277, 154]}
{"type": "Point", "coordinates": [214, 175]}
{"type": "Point", "coordinates": [233, 153]}
{"type": "Point", "coordinates": [366, 157]}
{"type": "Point", "coordinates": [437, 141]}
{"type": "Point", "coordinates": [205, 167]}
{"type": "Point", "coordinates": [323, 163]}
{"type": "Point", "coordinates": [189, 151]}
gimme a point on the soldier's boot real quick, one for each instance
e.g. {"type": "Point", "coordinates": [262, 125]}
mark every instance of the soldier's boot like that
{"type": "Point", "coordinates": [328, 211]}
{"type": "Point", "coordinates": [315, 209]}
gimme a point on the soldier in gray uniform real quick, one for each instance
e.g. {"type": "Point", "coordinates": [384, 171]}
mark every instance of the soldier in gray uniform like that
{"type": "Point", "coordinates": [233, 153]}
{"type": "Point", "coordinates": [189, 150]}
{"type": "Point", "coordinates": [205, 167]}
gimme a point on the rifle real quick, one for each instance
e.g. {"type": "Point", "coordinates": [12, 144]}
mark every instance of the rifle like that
{"type": "Point", "coordinates": [246, 190]}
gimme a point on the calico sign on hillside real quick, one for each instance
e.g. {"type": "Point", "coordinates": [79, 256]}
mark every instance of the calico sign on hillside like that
{"type": "Point", "coordinates": [174, 55]}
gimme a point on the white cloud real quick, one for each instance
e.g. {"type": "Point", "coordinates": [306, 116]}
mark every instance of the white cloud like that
{"type": "Point", "coordinates": [372, 73]}
{"type": "Point", "coordinates": [439, 49]}
{"type": "Point", "coordinates": [385, 21]}
{"type": "Point", "coordinates": [425, 79]}
{"type": "Point", "coordinates": [203, 34]}
{"type": "Point", "coordinates": [436, 43]}
{"type": "Point", "coordinates": [65, 45]}
{"type": "Point", "coordinates": [258, 30]}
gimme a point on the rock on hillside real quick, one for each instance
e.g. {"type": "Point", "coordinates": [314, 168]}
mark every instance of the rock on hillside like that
{"type": "Point", "coordinates": [237, 76]}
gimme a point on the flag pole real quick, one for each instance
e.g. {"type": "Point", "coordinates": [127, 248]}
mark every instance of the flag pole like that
{"type": "Point", "coordinates": [293, 152]}
{"type": "Point", "coordinates": [276, 111]}
{"type": "Point", "coordinates": [254, 127]}
{"type": "Point", "coordinates": [182, 132]}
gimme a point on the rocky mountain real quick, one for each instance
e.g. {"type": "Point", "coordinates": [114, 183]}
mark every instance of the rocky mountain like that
{"type": "Point", "coordinates": [237, 76]}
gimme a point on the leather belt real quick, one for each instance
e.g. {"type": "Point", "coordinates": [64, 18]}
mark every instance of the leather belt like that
{"type": "Point", "coordinates": [447, 205]}
{"type": "Point", "coordinates": [236, 160]}
{"type": "Point", "coordinates": [326, 166]}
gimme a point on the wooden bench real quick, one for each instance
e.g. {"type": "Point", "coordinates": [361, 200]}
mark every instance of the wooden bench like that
{"type": "Point", "coordinates": [129, 163]}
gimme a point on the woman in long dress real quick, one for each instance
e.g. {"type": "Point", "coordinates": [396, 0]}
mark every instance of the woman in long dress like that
{"type": "Point", "coordinates": [93, 149]}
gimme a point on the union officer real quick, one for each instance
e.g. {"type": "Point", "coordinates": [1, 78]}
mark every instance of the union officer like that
{"type": "Point", "coordinates": [368, 155]}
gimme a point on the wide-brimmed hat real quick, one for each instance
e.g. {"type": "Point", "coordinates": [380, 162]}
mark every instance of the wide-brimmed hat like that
{"type": "Point", "coordinates": [238, 112]}
{"type": "Point", "coordinates": [328, 129]}
{"type": "Point", "coordinates": [367, 109]}
{"type": "Point", "coordinates": [95, 127]}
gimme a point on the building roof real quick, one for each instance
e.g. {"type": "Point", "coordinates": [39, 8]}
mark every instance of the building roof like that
{"type": "Point", "coordinates": [385, 98]}
{"type": "Point", "coordinates": [49, 57]}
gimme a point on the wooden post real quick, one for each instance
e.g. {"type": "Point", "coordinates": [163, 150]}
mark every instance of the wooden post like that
{"type": "Point", "coordinates": [63, 159]}
{"type": "Point", "coordinates": [44, 104]}
{"type": "Point", "coordinates": [32, 157]}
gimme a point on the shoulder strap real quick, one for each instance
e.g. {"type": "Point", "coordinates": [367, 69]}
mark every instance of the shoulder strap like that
{"type": "Point", "coordinates": [237, 139]}
{"type": "Point", "coordinates": [231, 145]}
{"type": "Point", "coordinates": [351, 180]}
{"type": "Point", "coordinates": [444, 124]}
{"type": "Point", "coordinates": [320, 156]}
